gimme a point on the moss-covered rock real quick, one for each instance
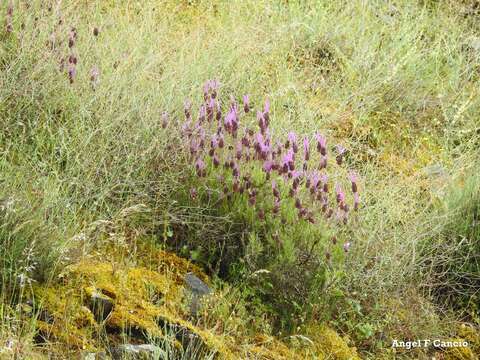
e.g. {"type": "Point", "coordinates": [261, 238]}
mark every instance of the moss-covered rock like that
{"type": "Point", "coordinates": [146, 303]}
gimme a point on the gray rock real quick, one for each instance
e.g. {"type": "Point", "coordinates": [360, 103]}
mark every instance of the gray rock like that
{"type": "Point", "coordinates": [136, 352]}
{"type": "Point", "coordinates": [101, 306]}
{"type": "Point", "coordinates": [198, 289]}
{"type": "Point", "coordinates": [196, 286]}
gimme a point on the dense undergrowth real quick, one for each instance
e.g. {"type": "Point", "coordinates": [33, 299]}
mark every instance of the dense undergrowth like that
{"type": "Point", "coordinates": [86, 158]}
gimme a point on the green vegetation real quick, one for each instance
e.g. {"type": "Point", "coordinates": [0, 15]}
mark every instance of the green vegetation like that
{"type": "Point", "coordinates": [93, 182]}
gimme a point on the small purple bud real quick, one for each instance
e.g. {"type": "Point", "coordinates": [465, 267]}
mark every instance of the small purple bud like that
{"type": "Point", "coordinates": [340, 194]}
{"type": "Point", "coordinates": [311, 218]}
{"type": "Point", "coordinates": [72, 73]}
{"type": "Point", "coordinates": [353, 179]}
{"type": "Point", "coordinates": [306, 149]}
{"type": "Point", "coordinates": [187, 108]}
{"type": "Point", "coordinates": [340, 152]}
{"type": "Point", "coordinates": [275, 191]}
{"type": "Point", "coordinates": [266, 112]}
{"type": "Point", "coordinates": [323, 162]}
{"type": "Point", "coordinates": [276, 207]}
{"type": "Point", "coordinates": [193, 193]}
{"type": "Point", "coordinates": [216, 160]}
{"type": "Point", "coordinates": [200, 167]}
{"type": "Point", "coordinates": [72, 59]}
{"type": "Point", "coordinates": [298, 204]}
{"type": "Point", "coordinates": [346, 247]}
{"type": "Point", "coordinates": [321, 144]}
{"type": "Point", "coordinates": [261, 215]}
{"type": "Point", "coordinates": [292, 139]}
{"type": "Point", "coordinates": [164, 120]}
{"type": "Point", "coordinates": [202, 113]}
{"type": "Point", "coordinates": [356, 201]}
{"type": "Point", "coordinates": [238, 151]}
{"type": "Point", "coordinates": [246, 105]}
{"type": "Point", "coordinates": [235, 171]}
{"type": "Point", "coordinates": [267, 166]}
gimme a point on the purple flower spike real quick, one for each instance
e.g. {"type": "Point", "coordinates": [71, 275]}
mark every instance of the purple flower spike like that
{"type": "Point", "coordinates": [356, 201]}
{"type": "Point", "coordinates": [200, 167]}
{"type": "Point", "coordinates": [187, 108]}
{"type": "Point", "coordinates": [210, 109]}
{"type": "Point", "coordinates": [275, 191]}
{"type": "Point", "coordinates": [221, 141]}
{"type": "Point", "coordinates": [72, 73]}
{"type": "Point", "coordinates": [340, 195]}
{"type": "Point", "coordinates": [323, 162]}
{"type": "Point", "coordinates": [202, 113]}
{"type": "Point", "coordinates": [216, 160]}
{"type": "Point", "coordinates": [246, 104]}
{"type": "Point", "coordinates": [276, 206]}
{"type": "Point", "coordinates": [298, 204]}
{"type": "Point", "coordinates": [262, 123]}
{"type": "Point", "coordinates": [218, 109]}
{"type": "Point", "coordinates": [315, 180]}
{"type": "Point", "coordinates": [238, 150]}
{"type": "Point", "coordinates": [266, 112]}
{"type": "Point", "coordinates": [353, 179]}
{"type": "Point", "coordinates": [306, 149]}
{"type": "Point", "coordinates": [267, 166]}
{"type": "Point", "coordinates": [340, 152]}
{"type": "Point", "coordinates": [292, 139]}
{"type": "Point", "coordinates": [321, 144]}
{"type": "Point", "coordinates": [235, 171]}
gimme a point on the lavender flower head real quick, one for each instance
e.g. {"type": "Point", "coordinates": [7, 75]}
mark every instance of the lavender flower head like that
{"type": "Point", "coordinates": [292, 139]}
{"type": "Point", "coordinates": [306, 148]}
{"type": "Point", "coordinates": [353, 179]}
{"type": "Point", "coordinates": [246, 104]}
{"type": "Point", "coordinates": [340, 153]}
{"type": "Point", "coordinates": [321, 144]}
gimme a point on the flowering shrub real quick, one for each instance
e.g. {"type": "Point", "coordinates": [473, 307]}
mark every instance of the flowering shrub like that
{"type": "Point", "coordinates": [283, 192]}
{"type": "Point", "coordinates": [252, 164]}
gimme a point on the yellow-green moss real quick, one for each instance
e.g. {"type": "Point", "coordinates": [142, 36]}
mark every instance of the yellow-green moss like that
{"type": "Point", "coordinates": [146, 296]}
{"type": "Point", "coordinates": [140, 296]}
{"type": "Point", "coordinates": [331, 345]}
{"type": "Point", "coordinates": [472, 352]}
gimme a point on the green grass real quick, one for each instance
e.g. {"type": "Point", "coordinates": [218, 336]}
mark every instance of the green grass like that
{"type": "Point", "coordinates": [397, 84]}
